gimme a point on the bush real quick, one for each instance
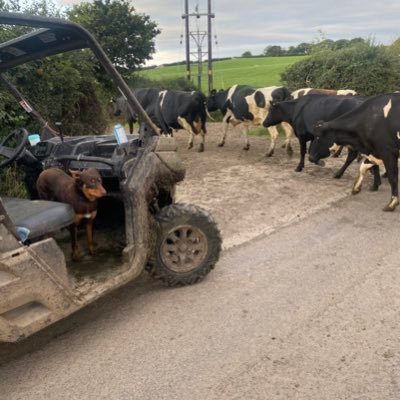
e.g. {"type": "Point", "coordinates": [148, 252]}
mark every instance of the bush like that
{"type": "Point", "coordinates": [364, 67]}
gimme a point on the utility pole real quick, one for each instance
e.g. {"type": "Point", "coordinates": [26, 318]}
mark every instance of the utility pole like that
{"type": "Point", "coordinates": [198, 37]}
{"type": "Point", "coordinates": [209, 72]}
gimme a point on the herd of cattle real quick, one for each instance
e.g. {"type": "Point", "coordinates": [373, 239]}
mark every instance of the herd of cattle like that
{"type": "Point", "coordinates": [367, 126]}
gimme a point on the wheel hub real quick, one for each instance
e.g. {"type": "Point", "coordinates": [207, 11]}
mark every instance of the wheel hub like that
{"type": "Point", "coordinates": [184, 248]}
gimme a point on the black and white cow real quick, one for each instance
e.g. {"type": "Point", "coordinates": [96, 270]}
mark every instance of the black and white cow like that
{"type": "Point", "coordinates": [182, 110]}
{"type": "Point", "coordinates": [304, 112]}
{"type": "Point", "coordinates": [373, 129]}
{"type": "Point", "coordinates": [170, 109]}
{"type": "Point", "coordinates": [248, 107]}
{"type": "Point", "coordinates": [305, 91]}
{"type": "Point", "coordinates": [147, 98]}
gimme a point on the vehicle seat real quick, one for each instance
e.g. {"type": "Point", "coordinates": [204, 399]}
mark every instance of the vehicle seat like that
{"type": "Point", "coordinates": [36, 218]}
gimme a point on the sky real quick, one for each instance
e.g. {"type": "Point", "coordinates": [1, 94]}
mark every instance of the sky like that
{"type": "Point", "coordinates": [252, 25]}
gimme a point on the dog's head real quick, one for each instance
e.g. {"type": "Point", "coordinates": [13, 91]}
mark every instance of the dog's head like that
{"type": "Point", "coordinates": [89, 182]}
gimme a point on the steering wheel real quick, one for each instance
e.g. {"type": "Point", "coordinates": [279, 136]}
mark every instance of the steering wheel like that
{"type": "Point", "coordinates": [12, 153]}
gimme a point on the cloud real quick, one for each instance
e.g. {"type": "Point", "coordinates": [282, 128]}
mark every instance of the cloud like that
{"type": "Point", "coordinates": [255, 24]}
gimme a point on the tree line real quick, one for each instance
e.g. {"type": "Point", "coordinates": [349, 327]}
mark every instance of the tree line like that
{"type": "Point", "coordinates": [304, 48]}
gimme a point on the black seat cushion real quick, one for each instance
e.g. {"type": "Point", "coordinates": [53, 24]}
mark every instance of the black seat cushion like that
{"type": "Point", "coordinates": [35, 218]}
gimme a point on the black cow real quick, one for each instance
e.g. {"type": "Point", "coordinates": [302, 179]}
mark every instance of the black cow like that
{"type": "Point", "coordinates": [334, 92]}
{"type": "Point", "coordinates": [373, 129]}
{"type": "Point", "coordinates": [304, 112]}
{"type": "Point", "coordinates": [147, 98]}
{"type": "Point", "coordinates": [246, 106]}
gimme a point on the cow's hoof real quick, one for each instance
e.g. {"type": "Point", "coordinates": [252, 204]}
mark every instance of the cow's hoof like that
{"type": "Point", "coordinates": [321, 163]}
{"type": "Point", "coordinates": [201, 148]}
{"type": "Point", "coordinates": [356, 190]}
{"type": "Point", "coordinates": [392, 204]}
{"type": "Point", "coordinates": [298, 169]}
{"type": "Point", "coordinates": [289, 151]}
{"type": "Point", "coordinates": [221, 144]}
{"type": "Point", "coordinates": [388, 208]}
{"type": "Point", "coordinates": [337, 175]}
{"type": "Point", "coordinates": [270, 153]}
{"type": "Point", "coordinates": [373, 188]}
{"type": "Point", "coordinates": [247, 147]}
{"type": "Point", "coordinates": [190, 146]}
{"type": "Point", "coordinates": [76, 257]}
{"type": "Point", "coordinates": [384, 175]}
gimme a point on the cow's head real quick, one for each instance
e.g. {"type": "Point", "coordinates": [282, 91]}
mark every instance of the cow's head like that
{"type": "Point", "coordinates": [324, 139]}
{"type": "Point", "coordinates": [281, 94]}
{"type": "Point", "coordinates": [216, 100]}
{"type": "Point", "coordinates": [279, 111]}
{"type": "Point", "coordinates": [119, 105]}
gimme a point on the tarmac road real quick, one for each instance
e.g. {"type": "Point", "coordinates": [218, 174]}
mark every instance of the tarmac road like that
{"type": "Point", "coordinates": [309, 311]}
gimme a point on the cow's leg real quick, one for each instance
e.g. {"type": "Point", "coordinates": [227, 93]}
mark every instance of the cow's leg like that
{"type": "Point", "coordinates": [392, 170]}
{"type": "Point", "coordinates": [337, 152]}
{"type": "Point", "coordinates": [273, 131]}
{"type": "Point", "coordinates": [185, 125]}
{"type": "Point", "coordinates": [245, 131]}
{"type": "Point", "coordinates": [364, 167]}
{"type": "Point", "coordinates": [202, 143]}
{"type": "Point", "coordinates": [303, 151]}
{"type": "Point", "coordinates": [289, 133]}
{"type": "Point", "coordinates": [130, 123]}
{"type": "Point", "coordinates": [191, 139]}
{"type": "Point", "coordinates": [200, 128]}
{"type": "Point", "coordinates": [351, 156]}
{"type": "Point", "coordinates": [203, 132]}
{"type": "Point", "coordinates": [377, 179]}
{"type": "Point", "coordinates": [224, 131]}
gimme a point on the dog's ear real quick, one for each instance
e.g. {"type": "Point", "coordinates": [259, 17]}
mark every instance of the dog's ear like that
{"type": "Point", "coordinates": [75, 173]}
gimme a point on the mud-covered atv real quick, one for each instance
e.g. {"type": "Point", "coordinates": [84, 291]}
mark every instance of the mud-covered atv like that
{"type": "Point", "coordinates": [138, 225]}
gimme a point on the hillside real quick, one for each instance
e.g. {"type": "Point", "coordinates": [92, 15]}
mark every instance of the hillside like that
{"type": "Point", "coordinates": [253, 71]}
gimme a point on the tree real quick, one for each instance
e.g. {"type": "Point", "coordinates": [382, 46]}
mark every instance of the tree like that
{"type": "Point", "coordinates": [303, 48]}
{"type": "Point", "coordinates": [63, 88]}
{"type": "Point", "coordinates": [247, 54]}
{"type": "Point", "coordinates": [273, 51]}
{"type": "Point", "coordinates": [126, 36]}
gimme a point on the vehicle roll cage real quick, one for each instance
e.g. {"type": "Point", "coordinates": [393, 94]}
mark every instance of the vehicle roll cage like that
{"type": "Point", "coordinates": [55, 36]}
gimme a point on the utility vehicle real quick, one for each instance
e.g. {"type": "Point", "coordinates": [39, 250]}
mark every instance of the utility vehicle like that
{"type": "Point", "coordinates": [138, 225]}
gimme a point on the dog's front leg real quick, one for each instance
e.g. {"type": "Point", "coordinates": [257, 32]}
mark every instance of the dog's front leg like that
{"type": "Point", "coordinates": [89, 236]}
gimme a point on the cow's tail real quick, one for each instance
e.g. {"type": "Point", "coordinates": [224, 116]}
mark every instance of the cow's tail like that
{"type": "Point", "coordinates": [164, 127]}
{"type": "Point", "coordinates": [203, 116]}
{"type": "Point", "coordinates": [208, 114]}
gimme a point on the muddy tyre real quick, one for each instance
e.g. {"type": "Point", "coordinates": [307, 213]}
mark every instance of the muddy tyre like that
{"type": "Point", "coordinates": [188, 245]}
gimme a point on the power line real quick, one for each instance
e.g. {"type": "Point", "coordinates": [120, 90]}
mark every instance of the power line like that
{"type": "Point", "coordinates": [198, 37]}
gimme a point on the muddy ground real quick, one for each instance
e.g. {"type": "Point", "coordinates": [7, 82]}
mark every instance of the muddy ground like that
{"type": "Point", "coordinates": [250, 194]}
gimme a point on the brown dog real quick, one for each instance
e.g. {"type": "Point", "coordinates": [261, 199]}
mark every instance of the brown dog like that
{"type": "Point", "coordinates": [81, 190]}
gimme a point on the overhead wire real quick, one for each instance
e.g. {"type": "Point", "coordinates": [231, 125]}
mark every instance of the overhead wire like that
{"type": "Point", "coordinates": [217, 52]}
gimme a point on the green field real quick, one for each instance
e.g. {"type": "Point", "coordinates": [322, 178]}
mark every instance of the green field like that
{"type": "Point", "coordinates": [252, 71]}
